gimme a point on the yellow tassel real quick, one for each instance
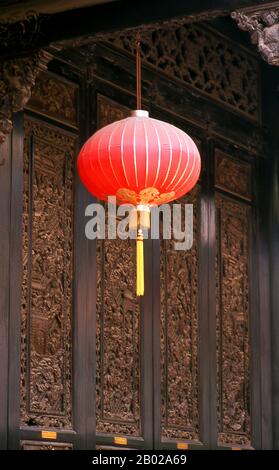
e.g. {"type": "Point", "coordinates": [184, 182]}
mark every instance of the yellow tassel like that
{"type": "Point", "coordinates": [140, 264]}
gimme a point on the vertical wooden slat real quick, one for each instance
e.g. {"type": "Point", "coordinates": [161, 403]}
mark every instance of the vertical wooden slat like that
{"type": "Point", "coordinates": [274, 262]}
{"type": "Point", "coordinates": [207, 339]}
{"type": "Point", "coordinates": [5, 184]}
{"type": "Point", "coordinates": [156, 312]}
{"type": "Point", "coordinates": [84, 315]}
{"type": "Point", "coordinates": [268, 195]}
{"type": "Point", "coordinates": [15, 280]}
{"type": "Point", "coordinates": [260, 316]}
{"type": "Point", "coordinates": [264, 344]}
{"type": "Point", "coordinates": [212, 367]}
{"type": "Point", "coordinates": [146, 348]}
{"type": "Point", "coordinates": [254, 337]}
{"type": "Point", "coordinates": [84, 328]}
{"type": "Point", "coordinates": [90, 273]}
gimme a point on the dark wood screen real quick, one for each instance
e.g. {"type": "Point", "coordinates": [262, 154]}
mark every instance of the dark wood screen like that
{"type": "Point", "coordinates": [118, 375]}
{"type": "Point", "coordinates": [232, 315]}
{"type": "Point", "coordinates": [233, 291]}
{"type": "Point", "coordinates": [179, 368]}
{"type": "Point", "coordinates": [179, 336]}
{"type": "Point", "coordinates": [178, 333]}
{"type": "Point", "coordinates": [49, 153]}
{"type": "Point", "coordinates": [46, 375]}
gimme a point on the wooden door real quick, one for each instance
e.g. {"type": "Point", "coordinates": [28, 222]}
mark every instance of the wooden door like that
{"type": "Point", "coordinates": [97, 367]}
{"type": "Point", "coordinates": [170, 371]}
{"type": "Point", "coordinates": [199, 306]}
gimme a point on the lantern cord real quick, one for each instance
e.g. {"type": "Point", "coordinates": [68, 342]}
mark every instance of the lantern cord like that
{"type": "Point", "coordinates": [138, 72]}
{"type": "Point", "coordinates": [140, 255]}
{"type": "Point", "coordinates": [140, 263]}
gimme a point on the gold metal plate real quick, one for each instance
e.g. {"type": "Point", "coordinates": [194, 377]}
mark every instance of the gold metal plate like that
{"type": "Point", "coordinates": [120, 440]}
{"type": "Point", "coordinates": [182, 445]}
{"type": "Point", "coordinates": [49, 435]}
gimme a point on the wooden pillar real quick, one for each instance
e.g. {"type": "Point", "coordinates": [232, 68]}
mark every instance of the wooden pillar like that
{"type": "Point", "coordinates": [10, 280]}
{"type": "Point", "coordinates": [271, 114]}
{"type": "Point", "coordinates": [5, 202]}
{"type": "Point", "coordinates": [15, 279]}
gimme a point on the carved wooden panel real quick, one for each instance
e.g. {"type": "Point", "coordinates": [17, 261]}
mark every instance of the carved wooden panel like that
{"type": "Point", "coordinates": [179, 335]}
{"type": "Point", "coordinates": [232, 176]}
{"type": "Point", "coordinates": [232, 316]}
{"type": "Point", "coordinates": [46, 365]}
{"type": "Point", "coordinates": [117, 329]}
{"type": "Point", "coordinates": [203, 59]}
{"type": "Point", "coordinates": [109, 111]}
{"type": "Point", "coordinates": [56, 98]}
{"type": "Point", "coordinates": [39, 445]}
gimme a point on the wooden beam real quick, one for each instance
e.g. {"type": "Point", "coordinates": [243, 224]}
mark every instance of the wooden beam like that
{"type": "Point", "coordinates": [39, 31]}
{"type": "Point", "coordinates": [17, 11]}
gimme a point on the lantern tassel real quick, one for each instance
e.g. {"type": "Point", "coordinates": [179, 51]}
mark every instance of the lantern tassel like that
{"type": "Point", "coordinates": [140, 264]}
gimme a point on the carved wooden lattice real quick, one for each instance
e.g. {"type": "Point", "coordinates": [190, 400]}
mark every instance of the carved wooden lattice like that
{"type": "Point", "coordinates": [179, 335]}
{"type": "Point", "coordinates": [117, 325]}
{"type": "Point", "coordinates": [55, 98]}
{"type": "Point", "coordinates": [205, 60]}
{"type": "Point", "coordinates": [232, 309]}
{"type": "Point", "coordinates": [39, 445]}
{"type": "Point", "coordinates": [46, 366]}
{"type": "Point", "coordinates": [232, 175]}
{"type": "Point", "coordinates": [109, 111]}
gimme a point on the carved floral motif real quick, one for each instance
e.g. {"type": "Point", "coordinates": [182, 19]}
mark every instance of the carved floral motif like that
{"type": "Point", "coordinates": [179, 336]}
{"type": "Point", "coordinates": [18, 33]}
{"type": "Point", "coordinates": [117, 343]}
{"type": "Point", "coordinates": [39, 445]}
{"type": "Point", "coordinates": [55, 98]}
{"type": "Point", "coordinates": [203, 59]}
{"type": "Point", "coordinates": [47, 276]}
{"type": "Point", "coordinates": [232, 310]}
{"type": "Point", "coordinates": [232, 175]}
{"type": "Point", "coordinates": [149, 196]}
{"type": "Point", "coordinates": [17, 79]}
{"type": "Point", "coordinates": [110, 111]}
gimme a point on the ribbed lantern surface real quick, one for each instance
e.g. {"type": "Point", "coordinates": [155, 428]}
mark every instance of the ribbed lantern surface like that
{"type": "Point", "coordinates": [140, 160]}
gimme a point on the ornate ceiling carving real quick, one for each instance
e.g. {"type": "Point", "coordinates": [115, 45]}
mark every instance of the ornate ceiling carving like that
{"type": "Point", "coordinates": [25, 32]}
{"type": "Point", "coordinates": [262, 22]}
{"type": "Point", "coordinates": [171, 25]}
{"type": "Point", "coordinates": [18, 75]}
{"type": "Point", "coordinates": [17, 79]}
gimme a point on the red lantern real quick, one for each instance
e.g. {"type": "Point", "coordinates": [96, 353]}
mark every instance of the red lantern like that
{"type": "Point", "coordinates": [141, 161]}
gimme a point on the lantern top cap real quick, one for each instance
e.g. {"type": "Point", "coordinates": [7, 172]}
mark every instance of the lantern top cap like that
{"type": "Point", "coordinates": [140, 113]}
